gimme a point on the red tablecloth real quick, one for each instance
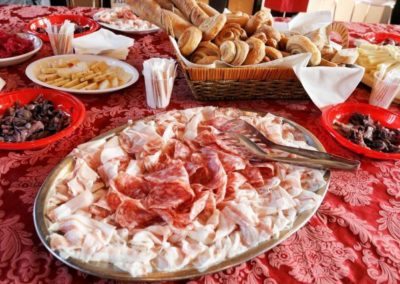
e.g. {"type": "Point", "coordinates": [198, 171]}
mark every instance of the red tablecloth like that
{"type": "Point", "coordinates": [354, 237]}
{"type": "Point", "coordinates": [290, 6]}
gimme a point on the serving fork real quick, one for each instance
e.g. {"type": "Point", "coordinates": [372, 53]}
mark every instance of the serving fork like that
{"type": "Point", "coordinates": [251, 138]}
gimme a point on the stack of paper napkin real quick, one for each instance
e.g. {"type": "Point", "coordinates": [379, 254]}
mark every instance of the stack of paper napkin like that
{"type": "Point", "coordinates": [103, 42]}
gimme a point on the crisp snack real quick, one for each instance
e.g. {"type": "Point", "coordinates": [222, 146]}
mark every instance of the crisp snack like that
{"type": "Point", "coordinates": [168, 193]}
{"type": "Point", "coordinates": [82, 75]}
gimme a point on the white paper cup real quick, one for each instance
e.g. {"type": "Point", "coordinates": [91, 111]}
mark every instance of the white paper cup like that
{"type": "Point", "coordinates": [385, 89]}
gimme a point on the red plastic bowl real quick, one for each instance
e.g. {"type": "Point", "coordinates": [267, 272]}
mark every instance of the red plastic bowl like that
{"type": "Point", "coordinates": [67, 102]}
{"type": "Point", "coordinates": [342, 113]}
{"type": "Point", "coordinates": [381, 36]}
{"type": "Point", "coordinates": [59, 20]}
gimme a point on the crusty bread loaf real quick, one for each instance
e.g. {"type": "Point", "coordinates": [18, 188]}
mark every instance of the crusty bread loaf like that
{"type": "Point", "coordinates": [210, 11]}
{"type": "Point", "coordinates": [191, 10]}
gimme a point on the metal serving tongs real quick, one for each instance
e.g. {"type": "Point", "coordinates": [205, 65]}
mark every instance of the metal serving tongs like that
{"type": "Point", "coordinates": [249, 136]}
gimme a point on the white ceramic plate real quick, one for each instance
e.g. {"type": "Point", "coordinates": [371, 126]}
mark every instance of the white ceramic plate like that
{"type": "Point", "coordinates": [33, 70]}
{"type": "Point", "coordinates": [118, 29]}
{"type": "Point", "coordinates": [37, 45]}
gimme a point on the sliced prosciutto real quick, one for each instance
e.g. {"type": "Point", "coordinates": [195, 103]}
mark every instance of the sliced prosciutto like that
{"type": "Point", "coordinates": [170, 192]}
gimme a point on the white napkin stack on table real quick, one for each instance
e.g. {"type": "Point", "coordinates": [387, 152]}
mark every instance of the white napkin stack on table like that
{"type": "Point", "coordinates": [103, 42]}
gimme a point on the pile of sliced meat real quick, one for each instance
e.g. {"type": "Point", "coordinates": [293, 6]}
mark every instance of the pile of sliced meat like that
{"type": "Point", "coordinates": [169, 193]}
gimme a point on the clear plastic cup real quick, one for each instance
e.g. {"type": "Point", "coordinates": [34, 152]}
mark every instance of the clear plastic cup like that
{"type": "Point", "coordinates": [385, 89]}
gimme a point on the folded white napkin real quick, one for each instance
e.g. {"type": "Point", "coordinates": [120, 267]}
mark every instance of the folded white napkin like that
{"type": "Point", "coordinates": [305, 23]}
{"type": "Point", "coordinates": [103, 42]}
{"type": "Point", "coordinates": [327, 85]}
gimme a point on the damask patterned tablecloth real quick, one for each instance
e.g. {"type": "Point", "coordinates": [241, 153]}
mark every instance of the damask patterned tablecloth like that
{"type": "Point", "coordinates": [353, 238]}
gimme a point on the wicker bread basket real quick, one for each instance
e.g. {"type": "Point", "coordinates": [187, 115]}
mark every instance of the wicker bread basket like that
{"type": "Point", "coordinates": [252, 82]}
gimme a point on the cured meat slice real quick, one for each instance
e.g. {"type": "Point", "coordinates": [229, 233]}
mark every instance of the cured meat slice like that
{"type": "Point", "coordinates": [113, 200]}
{"type": "Point", "coordinates": [132, 214]}
{"type": "Point", "coordinates": [209, 209]}
{"type": "Point", "coordinates": [182, 152]}
{"type": "Point", "coordinates": [253, 175]}
{"type": "Point", "coordinates": [173, 217]}
{"type": "Point", "coordinates": [206, 138]}
{"type": "Point", "coordinates": [218, 123]}
{"type": "Point", "coordinates": [132, 186]}
{"type": "Point", "coordinates": [172, 173]}
{"type": "Point", "coordinates": [191, 128]}
{"type": "Point", "coordinates": [84, 199]}
{"type": "Point", "coordinates": [112, 150]}
{"type": "Point", "coordinates": [98, 211]}
{"type": "Point", "coordinates": [135, 138]}
{"type": "Point", "coordinates": [219, 179]}
{"type": "Point", "coordinates": [235, 181]}
{"type": "Point", "coordinates": [231, 162]}
{"type": "Point", "coordinates": [199, 205]}
{"type": "Point", "coordinates": [170, 187]}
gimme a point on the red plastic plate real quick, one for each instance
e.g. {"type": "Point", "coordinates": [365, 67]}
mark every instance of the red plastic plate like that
{"type": "Point", "coordinates": [62, 100]}
{"type": "Point", "coordinates": [342, 112]}
{"type": "Point", "coordinates": [58, 20]}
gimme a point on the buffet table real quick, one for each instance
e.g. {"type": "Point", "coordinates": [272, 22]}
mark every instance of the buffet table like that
{"type": "Point", "coordinates": [353, 238]}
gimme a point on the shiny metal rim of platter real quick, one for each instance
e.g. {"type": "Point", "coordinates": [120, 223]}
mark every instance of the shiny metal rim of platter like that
{"type": "Point", "coordinates": [107, 270]}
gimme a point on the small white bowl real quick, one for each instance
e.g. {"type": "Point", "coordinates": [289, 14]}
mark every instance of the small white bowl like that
{"type": "Point", "coordinates": [33, 70]}
{"type": "Point", "coordinates": [37, 45]}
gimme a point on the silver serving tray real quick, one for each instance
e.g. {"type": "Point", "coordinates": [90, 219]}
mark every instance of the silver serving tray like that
{"type": "Point", "coordinates": [108, 270]}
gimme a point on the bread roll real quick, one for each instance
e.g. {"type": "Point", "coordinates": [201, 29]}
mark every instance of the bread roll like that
{"type": "Point", "coordinates": [191, 10]}
{"type": "Point", "coordinates": [173, 24]}
{"type": "Point", "coordinates": [346, 56]}
{"type": "Point", "coordinates": [255, 21]}
{"type": "Point", "coordinates": [283, 42]}
{"type": "Point", "coordinates": [269, 31]}
{"type": "Point", "coordinates": [148, 10]}
{"type": "Point", "coordinates": [166, 4]}
{"type": "Point", "coordinates": [256, 51]}
{"type": "Point", "coordinates": [272, 53]}
{"type": "Point", "coordinates": [151, 11]}
{"type": "Point", "coordinates": [212, 26]}
{"type": "Point", "coordinates": [210, 11]}
{"type": "Point", "coordinates": [228, 51]}
{"type": "Point", "coordinates": [328, 52]}
{"type": "Point", "coordinates": [327, 63]}
{"type": "Point", "coordinates": [189, 40]}
{"type": "Point", "coordinates": [260, 36]}
{"type": "Point", "coordinates": [230, 31]}
{"type": "Point", "coordinates": [206, 53]}
{"type": "Point", "coordinates": [242, 49]}
{"type": "Point", "coordinates": [302, 44]}
{"type": "Point", "coordinates": [238, 18]}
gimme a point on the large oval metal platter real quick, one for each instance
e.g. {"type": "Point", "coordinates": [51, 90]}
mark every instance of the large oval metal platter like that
{"type": "Point", "coordinates": [107, 270]}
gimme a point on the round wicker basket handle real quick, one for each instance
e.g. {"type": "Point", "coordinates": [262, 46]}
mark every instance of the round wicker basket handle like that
{"type": "Point", "coordinates": [341, 30]}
